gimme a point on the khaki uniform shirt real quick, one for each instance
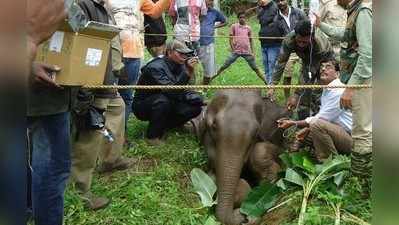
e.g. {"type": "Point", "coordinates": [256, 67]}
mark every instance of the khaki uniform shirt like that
{"type": "Point", "coordinates": [333, 14]}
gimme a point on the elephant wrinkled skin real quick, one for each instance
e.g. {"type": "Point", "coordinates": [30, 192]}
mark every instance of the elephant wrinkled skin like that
{"type": "Point", "coordinates": [239, 132]}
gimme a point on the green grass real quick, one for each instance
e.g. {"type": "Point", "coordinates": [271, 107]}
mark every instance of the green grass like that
{"type": "Point", "coordinates": [158, 190]}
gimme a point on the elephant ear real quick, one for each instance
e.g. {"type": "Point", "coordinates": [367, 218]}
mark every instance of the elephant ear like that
{"type": "Point", "coordinates": [259, 111]}
{"type": "Point", "coordinates": [268, 128]}
{"type": "Point", "coordinates": [216, 105]}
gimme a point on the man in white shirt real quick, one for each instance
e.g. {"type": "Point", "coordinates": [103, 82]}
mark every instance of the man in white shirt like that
{"type": "Point", "coordinates": [329, 131]}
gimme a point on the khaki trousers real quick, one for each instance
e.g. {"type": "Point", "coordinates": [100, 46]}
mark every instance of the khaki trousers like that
{"type": "Point", "coordinates": [91, 145]}
{"type": "Point", "coordinates": [328, 138]}
{"type": "Point", "coordinates": [362, 132]}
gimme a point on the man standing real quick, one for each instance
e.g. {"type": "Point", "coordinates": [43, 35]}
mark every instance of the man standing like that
{"type": "Point", "coordinates": [207, 48]}
{"type": "Point", "coordinates": [333, 14]}
{"type": "Point", "coordinates": [356, 68]}
{"type": "Point", "coordinates": [328, 132]}
{"type": "Point", "coordinates": [311, 48]}
{"type": "Point", "coordinates": [285, 21]}
{"type": "Point", "coordinates": [186, 19]}
{"type": "Point", "coordinates": [167, 109]}
{"type": "Point", "coordinates": [89, 143]}
{"type": "Point", "coordinates": [48, 115]}
{"type": "Point", "coordinates": [267, 11]}
{"type": "Point", "coordinates": [241, 45]}
{"type": "Point", "coordinates": [129, 15]}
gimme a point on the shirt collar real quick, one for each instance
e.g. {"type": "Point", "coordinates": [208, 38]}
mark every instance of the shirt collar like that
{"type": "Point", "coordinates": [289, 12]}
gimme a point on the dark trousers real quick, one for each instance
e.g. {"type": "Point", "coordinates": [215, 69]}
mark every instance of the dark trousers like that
{"type": "Point", "coordinates": [163, 113]}
{"type": "Point", "coordinates": [51, 164]}
{"type": "Point", "coordinates": [132, 66]}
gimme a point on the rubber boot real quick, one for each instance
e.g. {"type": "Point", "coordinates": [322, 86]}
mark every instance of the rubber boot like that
{"type": "Point", "coordinates": [362, 168]}
{"type": "Point", "coordinates": [94, 202]}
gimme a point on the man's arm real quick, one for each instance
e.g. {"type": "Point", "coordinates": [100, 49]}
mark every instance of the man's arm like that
{"type": "Point", "coordinates": [154, 10]}
{"type": "Point", "coordinates": [231, 38]}
{"type": "Point", "coordinates": [282, 60]}
{"type": "Point", "coordinates": [221, 19]}
{"type": "Point", "coordinates": [364, 34]}
{"type": "Point", "coordinates": [337, 33]}
{"type": "Point", "coordinates": [204, 8]}
{"type": "Point", "coordinates": [42, 22]}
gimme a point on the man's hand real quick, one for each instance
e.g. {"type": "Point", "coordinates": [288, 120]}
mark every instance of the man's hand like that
{"type": "Point", "coordinates": [191, 62]}
{"type": "Point", "coordinates": [346, 99]}
{"type": "Point", "coordinates": [292, 102]}
{"type": "Point", "coordinates": [302, 134]}
{"type": "Point", "coordinates": [44, 74]}
{"type": "Point", "coordinates": [317, 20]}
{"type": "Point", "coordinates": [285, 123]}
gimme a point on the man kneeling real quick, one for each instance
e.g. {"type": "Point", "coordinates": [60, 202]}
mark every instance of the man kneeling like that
{"type": "Point", "coordinates": [329, 131]}
{"type": "Point", "coordinates": [167, 109]}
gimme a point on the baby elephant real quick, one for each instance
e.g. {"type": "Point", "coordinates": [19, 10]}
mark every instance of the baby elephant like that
{"type": "Point", "coordinates": [241, 137]}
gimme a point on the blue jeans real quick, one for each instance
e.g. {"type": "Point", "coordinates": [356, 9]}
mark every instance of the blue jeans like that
{"type": "Point", "coordinates": [270, 55]}
{"type": "Point", "coordinates": [51, 164]}
{"type": "Point", "coordinates": [133, 68]}
{"type": "Point", "coordinates": [13, 174]}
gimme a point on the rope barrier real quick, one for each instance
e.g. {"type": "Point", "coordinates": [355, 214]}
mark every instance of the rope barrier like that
{"type": "Point", "coordinates": [192, 87]}
{"type": "Point", "coordinates": [216, 36]}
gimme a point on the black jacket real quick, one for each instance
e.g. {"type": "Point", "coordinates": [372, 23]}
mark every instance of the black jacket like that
{"type": "Point", "coordinates": [162, 71]}
{"type": "Point", "coordinates": [266, 15]}
{"type": "Point", "coordinates": [282, 26]}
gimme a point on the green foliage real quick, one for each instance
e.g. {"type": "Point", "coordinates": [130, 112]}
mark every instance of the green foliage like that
{"type": "Point", "coordinates": [260, 199]}
{"type": "Point", "coordinates": [211, 221]}
{"type": "Point", "coordinates": [231, 6]}
{"type": "Point", "coordinates": [204, 186]}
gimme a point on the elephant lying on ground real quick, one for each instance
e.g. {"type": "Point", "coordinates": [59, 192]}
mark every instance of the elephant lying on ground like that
{"type": "Point", "coordinates": [239, 132]}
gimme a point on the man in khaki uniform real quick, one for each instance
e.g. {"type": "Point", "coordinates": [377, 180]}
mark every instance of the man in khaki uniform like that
{"type": "Point", "coordinates": [333, 14]}
{"type": "Point", "coordinates": [91, 144]}
{"type": "Point", "coordinates": [357, 68]}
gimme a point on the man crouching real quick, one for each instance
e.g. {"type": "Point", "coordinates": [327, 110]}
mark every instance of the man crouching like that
{"type": "Point", "coordinates": [329, 131]}
{"type": "Point", "coordinates": [167, 109]}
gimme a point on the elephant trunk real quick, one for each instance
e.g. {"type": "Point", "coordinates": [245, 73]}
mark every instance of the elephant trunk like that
{"type": "Point", "coordinates": [228, 171]}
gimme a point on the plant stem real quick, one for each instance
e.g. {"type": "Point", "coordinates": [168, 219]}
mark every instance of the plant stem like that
{"type": "Point", "coordinates": [279, 205]}
{"type": "Point", "coordinates": [350, 217]}
{"type": "Point", "coordinates": [337, 210]}
{"type": "Point", "coordinates": [306, 193]}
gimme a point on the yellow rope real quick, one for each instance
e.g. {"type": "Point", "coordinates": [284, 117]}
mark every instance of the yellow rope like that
{"type": "Point", "coordinates": [186, 87]}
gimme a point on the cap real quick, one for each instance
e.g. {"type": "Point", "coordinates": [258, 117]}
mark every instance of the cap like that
{"type": "Point", "coordinates": [179, 46]}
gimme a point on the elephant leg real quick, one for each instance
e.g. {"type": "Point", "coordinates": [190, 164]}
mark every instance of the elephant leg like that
{"type": "Point", "coordinates": [241, 193]}
{"type": "Point", "coordinates": [263, 161]}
